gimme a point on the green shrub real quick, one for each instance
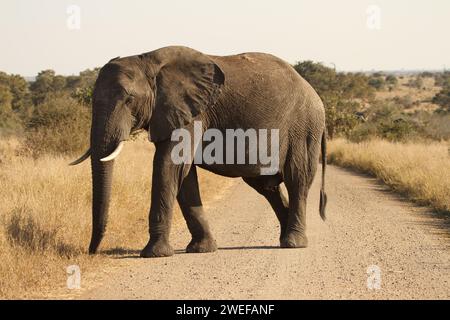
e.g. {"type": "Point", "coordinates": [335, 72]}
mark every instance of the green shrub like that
{"type": "Point", "coordinates": [391, 80]}
{"type": "Point", "coordinates": [386, 120]}
{"type": "Point", "coordinates": [363, 132]}
{"type": "Point", "coordinates": [401, 129]}
{"type": "Point", "coordinates": [83, 95]}
{"type": "Point", "coordinates": [377, 82]}
{"type": "Point", "coordinates": [59, 125]}
{"type": "Point", "coordinates": [442, 98]}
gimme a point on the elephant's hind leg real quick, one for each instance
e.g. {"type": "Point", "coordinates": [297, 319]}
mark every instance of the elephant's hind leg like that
{"type": "Point", "coordinates": [191, 206]}
{"type": "Point", "coordinates": [298, 175]}
{"type": "Point", "coordinates": [275, 197]}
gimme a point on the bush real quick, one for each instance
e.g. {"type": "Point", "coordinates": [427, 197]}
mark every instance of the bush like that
{"type": "Point", "coordinates": [386, 120]}
{"type": "Point", "coordinates": [442, 79]}
{"type": "Point", "coordinates": [391, 80]}
{"type": "Point", "coordinates": [363, 132]}
{"type": "Point", "coordinates": [377, 82]}
{"type": "Point", "coordinates": [59, 125]}
{"type": "Point", "coordinates": [436, 125]}
{"type": "Point", "coordinates": [83, 95]}
{"type": "Point", "coordinates": [406, 101]}
{"type": "Point", "coordinates": [10, 123]}
{"type": "Point", "coordinates": [401, 129]}
{"type": "Point", "coordinates": [341, 117]}
{"type": "Point", "coordinates": [442, 98]}
{"type": "Point", "coordinates": [416, 83]}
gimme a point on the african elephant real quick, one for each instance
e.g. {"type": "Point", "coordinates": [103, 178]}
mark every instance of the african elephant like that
{"type": "Point", "coordinates": [167, 89]}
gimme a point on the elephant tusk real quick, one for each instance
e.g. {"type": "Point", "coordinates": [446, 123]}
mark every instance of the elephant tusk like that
{"type": "Point", "coordinates": [115, 153]}
{"type": "Point", "coordinates": [82, 158]}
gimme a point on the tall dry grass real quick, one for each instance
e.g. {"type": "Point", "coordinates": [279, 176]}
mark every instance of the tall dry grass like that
{"type": "Point", "coordinates": [45, 215]}
{"type": "Point", "coordinates": [421, 171]}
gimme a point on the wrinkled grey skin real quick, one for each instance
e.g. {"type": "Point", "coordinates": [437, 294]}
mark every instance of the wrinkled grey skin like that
{"type": "Point", "coordinates": [167, 89]}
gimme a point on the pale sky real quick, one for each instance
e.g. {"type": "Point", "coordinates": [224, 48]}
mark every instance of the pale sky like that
{"type": "Point", "coordinates": [412, 34]}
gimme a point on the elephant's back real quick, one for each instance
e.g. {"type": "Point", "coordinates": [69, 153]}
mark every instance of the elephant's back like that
{"type": "Point", "coordinates": [257, 69]}
{"type": "Point", "coordinates": [268, 87]}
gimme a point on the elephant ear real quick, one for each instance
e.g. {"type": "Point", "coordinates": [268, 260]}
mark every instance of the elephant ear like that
{"type": "Point", "coordinates": [185, 87]}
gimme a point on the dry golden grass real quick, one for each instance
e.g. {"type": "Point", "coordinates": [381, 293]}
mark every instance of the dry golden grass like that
{"type": "Point", "coordinates": [418, 170]}
{"type": "Point", "coordinates": [45, 215]}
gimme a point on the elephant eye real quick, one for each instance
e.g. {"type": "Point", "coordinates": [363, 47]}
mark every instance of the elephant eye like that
{"type": "Point", "coordinates": [129, 100]}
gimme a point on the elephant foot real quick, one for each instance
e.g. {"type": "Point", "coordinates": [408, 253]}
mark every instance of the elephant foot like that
{"type": "Point", "coordinates": [157, 249]}
{"type": "Point", "coordinates": [294, 240]}
{"type": "Point", "coordinates": [207, 244]}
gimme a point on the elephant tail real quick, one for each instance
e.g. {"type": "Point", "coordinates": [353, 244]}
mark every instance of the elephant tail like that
{"type": "Point", "coordinates": [323, 195]}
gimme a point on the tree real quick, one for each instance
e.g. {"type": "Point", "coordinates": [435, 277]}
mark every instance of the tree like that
{"type": "Point", "coordinates": [58, 83]}
{"type": "Point", "coordinates": [340, 93]}
{"type": "Point", "coordinates": [18, 87]}
{"type": "Point", "coordinates": [86, 79]}
{"type": "Point", "coordinates": [42, 86]}
{"type": "Point", "coordinates": [8, 119]}
{"type": "Point", "coordinates": [6, 98]}
{"type": "Point", "coordinates": [322, 78]}
{"type": "Point", "coordinates": [82, 86]}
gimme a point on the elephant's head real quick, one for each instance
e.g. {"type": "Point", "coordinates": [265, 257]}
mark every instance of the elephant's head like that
{"type": "Point", "coordinates": [158, 91]}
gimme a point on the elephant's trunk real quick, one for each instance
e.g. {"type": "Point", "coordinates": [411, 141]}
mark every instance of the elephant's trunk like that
{"type": "Point", "coordinates": [111, 126]}
{"type": "Point", "coordinates": [101, 191]}
{"type": "Point", "coordinates": [102, 145]}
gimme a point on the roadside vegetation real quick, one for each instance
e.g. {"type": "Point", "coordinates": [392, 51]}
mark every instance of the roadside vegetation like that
{"type": "Point", "coordinates": [45, 215]}
{"type": "Point", "coordinates": [394, 127]}
{"type": "Point", "coordinates": [378, 105]}
{"type": "Point", "coordinates": [417, 170]}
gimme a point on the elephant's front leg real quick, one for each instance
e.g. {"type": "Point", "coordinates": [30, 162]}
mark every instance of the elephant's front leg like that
{"type": "Point", "coordinates": [166, 179]}
{"type": "Point", "coordinates": [191, 206]}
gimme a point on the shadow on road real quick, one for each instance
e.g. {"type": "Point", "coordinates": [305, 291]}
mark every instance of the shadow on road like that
{"type": "Point", "coordinates": [121, 252]}
{"type": "Point", "coordinates": [250, 248]}
{"type": "Point", "coordinates": [127, 253]}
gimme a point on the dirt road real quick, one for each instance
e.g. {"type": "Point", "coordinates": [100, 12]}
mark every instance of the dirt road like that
{"type": "Point", "coordinates": [366, 226]}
